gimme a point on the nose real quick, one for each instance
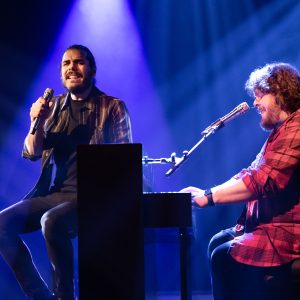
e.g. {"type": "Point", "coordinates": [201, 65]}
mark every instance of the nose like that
{"type": "Point", "coordinates": [256, 101]}
{"type": "Point", "coordinates": [72, 66]}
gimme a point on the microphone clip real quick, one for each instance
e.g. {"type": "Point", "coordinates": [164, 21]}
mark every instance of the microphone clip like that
{"type": "Point", "coordinates": [212, 128]}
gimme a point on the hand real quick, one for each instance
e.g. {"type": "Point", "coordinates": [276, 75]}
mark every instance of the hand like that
{"type": "Point", "coordinates": [198, 198]}
{"type": "Point", "coordinates": [40, 108]}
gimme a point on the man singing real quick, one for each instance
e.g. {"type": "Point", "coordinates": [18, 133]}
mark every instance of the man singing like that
{"type": "Point", "coordinates": [84, 115]}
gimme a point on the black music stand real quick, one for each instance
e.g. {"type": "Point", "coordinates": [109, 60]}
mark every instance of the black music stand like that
{"type": "Point", "coordinates": [110, 238]}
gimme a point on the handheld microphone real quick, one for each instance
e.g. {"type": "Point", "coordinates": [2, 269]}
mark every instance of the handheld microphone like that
{"type": "Point", "coordinates": [237, 111]}
{"type": "Point", "coordinates": [48, 94]}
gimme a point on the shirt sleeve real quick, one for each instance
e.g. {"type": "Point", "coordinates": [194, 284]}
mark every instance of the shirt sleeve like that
{"type": "Point", "coordinates": [25, 154]}
{"type": "Point", "coordinates": [279, 162]}
{"type": "Point", "coordinates": [120, 129]}
{"type": "Point", "coordinates": [253, 165]}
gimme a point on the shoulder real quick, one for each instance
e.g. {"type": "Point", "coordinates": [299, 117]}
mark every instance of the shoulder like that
{"type": "Point", "coordinates": [293, 121]}
{"type": "Point", "coordinates": [107, 100]}
{"type": "Point", "coordinates": [100, 94]}
{"type": "Point", "coordinates": [59, 100]}
{"type": "Point", "coordinates": [288, 135]}
{"type": "Point", "coordinates": [295, 116]}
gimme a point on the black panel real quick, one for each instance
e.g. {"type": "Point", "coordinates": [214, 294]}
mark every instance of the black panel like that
{"type": "Point", "coordinates": [110, 237]}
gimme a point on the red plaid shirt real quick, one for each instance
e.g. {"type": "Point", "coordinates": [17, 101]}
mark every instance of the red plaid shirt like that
{"type": "Point", "coordinates": [272, 222]}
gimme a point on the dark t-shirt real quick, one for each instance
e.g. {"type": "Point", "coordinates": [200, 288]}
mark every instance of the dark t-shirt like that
{"type": "Point", "coordinates": [66, 143]}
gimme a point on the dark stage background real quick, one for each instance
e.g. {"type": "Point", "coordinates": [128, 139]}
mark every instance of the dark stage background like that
{"type": "Point", "coordinates": [179, 65]}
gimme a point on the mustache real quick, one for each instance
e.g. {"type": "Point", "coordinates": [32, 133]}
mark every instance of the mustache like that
{"type": "Point", "coordinates": [72, 73]}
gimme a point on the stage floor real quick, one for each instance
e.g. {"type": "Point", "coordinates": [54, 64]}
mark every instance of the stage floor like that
{"type": "Point", "coordinates": [177, 297]}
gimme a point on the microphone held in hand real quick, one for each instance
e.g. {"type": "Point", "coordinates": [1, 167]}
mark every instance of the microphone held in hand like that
{"type": "Point", "coordinates": [48, 94]}
{"type": "Point", "coordinates": [237, 111]}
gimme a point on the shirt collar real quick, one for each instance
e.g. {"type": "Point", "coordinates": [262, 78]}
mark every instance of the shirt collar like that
{"type": "Point", "coordinates": [66, 101]}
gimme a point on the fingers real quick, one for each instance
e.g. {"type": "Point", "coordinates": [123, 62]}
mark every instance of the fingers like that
{"type": "Point", "coordinates": [186, 190]}
{"type": "Point", "coordinates": [39, 108]}
{"type": "Point", "coordinates": [192, 190]}
{"type": "Point", "coordinates": [197, 196]}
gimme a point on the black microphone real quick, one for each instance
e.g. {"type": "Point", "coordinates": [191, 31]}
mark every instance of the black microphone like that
{"type": "Point", "coordinates": [237, 111]}
{"type": "Point", "coordinates": [48, 94]}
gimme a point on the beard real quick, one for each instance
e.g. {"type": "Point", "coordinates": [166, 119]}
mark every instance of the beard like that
{"type": "Point", "coordinates": [269, 120]}
{"type": "Point", "coordinates": [266, 126]}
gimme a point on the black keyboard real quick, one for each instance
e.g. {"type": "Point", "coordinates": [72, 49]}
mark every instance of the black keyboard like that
{"type": "Point", "coordinates": [168, 209]}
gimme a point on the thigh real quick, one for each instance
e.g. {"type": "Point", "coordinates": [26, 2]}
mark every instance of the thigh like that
{"type": "Point", "coordinates": [25, 215]}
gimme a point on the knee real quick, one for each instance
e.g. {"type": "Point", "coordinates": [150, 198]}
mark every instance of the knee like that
{"type": "Point", "coordinates": [218, 239]}
{"type": "Point", "coordinates": [213, 243]}
{"type": "Point", "coordinates": [48, 224]}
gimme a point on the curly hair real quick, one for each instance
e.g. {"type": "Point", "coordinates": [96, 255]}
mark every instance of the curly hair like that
{"type": "Point", "coordinates": [279, 79]}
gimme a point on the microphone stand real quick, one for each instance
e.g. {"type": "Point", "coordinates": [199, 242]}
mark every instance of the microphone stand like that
{"type": "Point", "coordinates": [237, 111]}
{"type": "Point", "coordinates": [176, 162]}
{"type": "Point", "coordinates": [212, 128]}
{"type": "Point", "coordinates": [186, 154]}
{"type": "Point", "coordinates": [171, 160]}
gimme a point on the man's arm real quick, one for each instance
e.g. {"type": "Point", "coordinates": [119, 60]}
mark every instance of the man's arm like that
{"type": "Point", "coordinates": [120, 127]}
{"type": "Point", "coordinates": [232, 191]}
{"type": "Point", "coordinates": [34, 142]}
{"type": "Point", "coordinates": [267, 176]}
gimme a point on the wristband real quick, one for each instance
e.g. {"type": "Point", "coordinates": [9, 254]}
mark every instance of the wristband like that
{"type": "Point", "coordinates": [210, 200]}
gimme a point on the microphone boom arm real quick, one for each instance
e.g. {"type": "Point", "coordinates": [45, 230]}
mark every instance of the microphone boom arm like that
{"type": "Point", "coordinates": [237, 111]}
{"type": "Point", "coordinates": [186, 154]}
